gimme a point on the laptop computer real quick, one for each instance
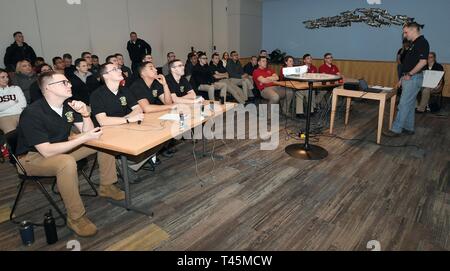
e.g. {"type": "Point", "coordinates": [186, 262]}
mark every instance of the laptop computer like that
{"type": "Point", "coordinates": [363, 86]}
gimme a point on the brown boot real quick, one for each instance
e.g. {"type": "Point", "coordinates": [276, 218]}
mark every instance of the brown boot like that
{"type": "Point", "coordinates": [112, 192]}
{"type": "Point", "coordinates": [82, 226]}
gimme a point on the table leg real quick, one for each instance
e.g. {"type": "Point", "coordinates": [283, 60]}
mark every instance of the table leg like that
{"type": "Point", "coordinates": [307, 151]}
{"type": "Point", "coordinates": [380, 119]}
{"type": "Point", "coordinates": [128, 204]}
{"type": "Point", "coordinates": [347, 110]}
{"type": "Point", "coordinates": [392, 113]}
{"type": "Point", "coordinates": [333, 111]}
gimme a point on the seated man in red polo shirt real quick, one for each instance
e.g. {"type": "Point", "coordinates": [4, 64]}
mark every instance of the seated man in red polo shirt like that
{"type": "Point", "coordinates": [328, 68]}
{"type": "Point", "coordinates": [264, 78]}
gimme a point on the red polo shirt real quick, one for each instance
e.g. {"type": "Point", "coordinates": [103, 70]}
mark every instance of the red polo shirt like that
{"type": "Point", "coordinates": [329, 70]}
{"type": "Point", "coordinates": [264, 73]}
{"type": "Point", "coordinates": [312, 69]}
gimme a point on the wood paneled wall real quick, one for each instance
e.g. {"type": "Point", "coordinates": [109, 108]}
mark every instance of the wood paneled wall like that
{"type": "Point", "coordinates": [374, 72]}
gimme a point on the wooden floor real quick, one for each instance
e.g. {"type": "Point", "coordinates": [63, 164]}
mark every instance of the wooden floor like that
{"type": "Point", "coordinates": [256, 200]}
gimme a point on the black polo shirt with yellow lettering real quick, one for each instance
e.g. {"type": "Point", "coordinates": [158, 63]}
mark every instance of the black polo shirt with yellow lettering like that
{"type": "Point", "coordinates": [39, 123]}
{"type": "Point", "coordinates": [119, 105]}
{"type": "Point", "coordinates": [180, 89]}
{"type": "Point", "coordinates": [141, 91]}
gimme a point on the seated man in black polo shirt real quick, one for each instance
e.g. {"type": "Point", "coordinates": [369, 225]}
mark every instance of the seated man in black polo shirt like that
{"type": "Point", "coordinates": [113, 104]}
{"type": "Point", "coordinates": [151, 90]}
{"type": "Point", "coordinates": [220, 74]}
{"type": "Point", "coordinates": [203, 80]}
{"type": "Point", "coordinates": [153, 95]}
{"type": "Point", "coordinates": [44, 147]}
{"type": "Point", "coordinates": [182, 91]}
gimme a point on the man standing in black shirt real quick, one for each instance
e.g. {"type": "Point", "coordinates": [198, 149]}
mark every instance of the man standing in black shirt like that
{"type": "Point", "coordinates": [412, 69]}
{"type": "Point", "coordinates": [426, 92]}
{"type": "Point", "coordinates": [137, 48]}
{"type": "Point", "coordinates": [18, 51]}
{"type": "Point", "coordinates": [44, 148]}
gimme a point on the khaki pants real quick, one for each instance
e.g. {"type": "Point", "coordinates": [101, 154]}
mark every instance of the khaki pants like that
{"type": "Point", "coordinates": [275, 94]}
{"type": "Point", "coordinates": [425, 97]}
{"type": "Point", "coordinates": [9, 123]}
{"type": "Point", "coordinates": [235, 91]}
{"type": "Point", "coordinates": [301, 98]}
{"type": "Point", "coordinates": [246, 84]}
{"type": "Point", "coordinates": [64, 167]}
{"type": "Point", "coordinates": [211, 89]}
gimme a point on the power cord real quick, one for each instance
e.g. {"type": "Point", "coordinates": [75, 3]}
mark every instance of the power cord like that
{"type": "Point", "coordinates": [201, 181]}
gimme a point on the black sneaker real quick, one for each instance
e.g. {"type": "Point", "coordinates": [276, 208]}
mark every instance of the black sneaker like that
{"type": "Point", "coordinates": [408, 132]}
{"type": "Point", "coordinates": [166, 153]}
{"type": "Point", "coordinates": [172, 150]}
{"type": "Point", "coordinates": [301, 116]}
{"type": "Point", "coordinates": [389, 133]}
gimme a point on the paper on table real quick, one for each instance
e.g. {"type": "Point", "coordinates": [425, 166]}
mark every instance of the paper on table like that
{"type": "Point", "coordinates": [431, 79]}
{"type": "Point", "coordinates": [174, 117]}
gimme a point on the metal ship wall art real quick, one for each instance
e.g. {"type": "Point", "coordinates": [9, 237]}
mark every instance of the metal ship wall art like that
{"type": "Point", "coordinates": [374, 17]}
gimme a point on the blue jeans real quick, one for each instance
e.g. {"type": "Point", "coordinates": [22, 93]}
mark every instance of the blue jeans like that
{"type": "Point", "coordinates": [406, 108]}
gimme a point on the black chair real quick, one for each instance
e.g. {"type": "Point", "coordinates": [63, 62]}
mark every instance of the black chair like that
{"type": "Point", "coordinates": [437, 100]}
{"type": "Point", "coordinates": [11, 141]}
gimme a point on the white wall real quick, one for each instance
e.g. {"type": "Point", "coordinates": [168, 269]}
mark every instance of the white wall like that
{"type": "Point", "coordinates": [244, 26]}
{"type": "Point", "coordinates": [15, 15]}
{"type": "Point", "coordinates": [251, 27]}
{"type": "Point", "coordinates": [53, 27]}
{"type": "Point", "coordinates": [220, 23]}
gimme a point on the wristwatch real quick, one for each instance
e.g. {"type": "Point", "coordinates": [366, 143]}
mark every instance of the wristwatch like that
{"type": "Point", "coordinates": [87, 116]}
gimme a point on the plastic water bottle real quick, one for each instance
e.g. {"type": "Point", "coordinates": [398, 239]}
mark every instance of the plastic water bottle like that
{"type": "Point", "coordinates": [181, 121]}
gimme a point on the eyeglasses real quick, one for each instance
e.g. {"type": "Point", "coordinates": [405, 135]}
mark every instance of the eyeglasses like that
{"type": "Point", "coordinates": [64, 82]}
{"type": "Point", "coordinates": [115, 69]}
